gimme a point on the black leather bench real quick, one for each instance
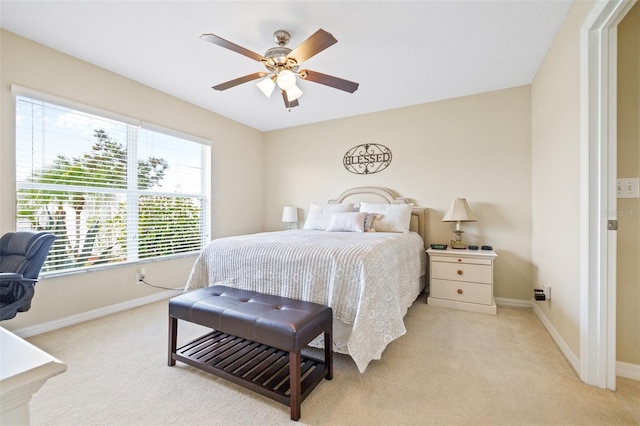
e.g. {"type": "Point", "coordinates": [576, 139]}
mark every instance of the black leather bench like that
{"type": "Point", "coordinates": [256, 341]}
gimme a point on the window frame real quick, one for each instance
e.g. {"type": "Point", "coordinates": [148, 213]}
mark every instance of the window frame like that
{"type": "Point", "coordinates": [132, 253]}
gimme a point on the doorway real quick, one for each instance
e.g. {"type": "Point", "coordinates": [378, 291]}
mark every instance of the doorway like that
{"type": "Point", "coordinates": [599, 175]}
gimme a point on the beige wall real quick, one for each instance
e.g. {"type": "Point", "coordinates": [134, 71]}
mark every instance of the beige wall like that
{"type": "Point", "coordinates": [628, 270]}
{"type": "Point", "coordinates": [555, 112]}
{"type": "Point", "coordinates": [477, 147]}
{"type": "Point", "coordinates": [233, 145]}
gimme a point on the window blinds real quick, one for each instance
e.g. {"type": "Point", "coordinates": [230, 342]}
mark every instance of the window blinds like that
{"type": "Point", "coordinates": [110, 191]}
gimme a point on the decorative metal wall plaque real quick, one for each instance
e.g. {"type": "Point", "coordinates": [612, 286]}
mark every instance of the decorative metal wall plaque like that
{"type": "Point", "coordinates": [367, 158]}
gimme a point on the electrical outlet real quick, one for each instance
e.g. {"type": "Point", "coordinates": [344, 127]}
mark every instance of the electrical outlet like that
{"type": "Point", "coordinates": [140, 276]}
{"type": "Point", "coordinates": [546, 288]}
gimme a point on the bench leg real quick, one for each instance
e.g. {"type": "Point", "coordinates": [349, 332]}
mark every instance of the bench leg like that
{"type": "Point", "coordinates": [173, 338]}
{"type": "Point", "coordinates": [294, 385]}
{"type": "Point", "coordinates": [328, 352]}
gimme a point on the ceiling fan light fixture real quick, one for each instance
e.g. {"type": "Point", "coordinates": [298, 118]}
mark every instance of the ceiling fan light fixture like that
{"type": "Point", "coordinates": [282, 65]}
{"type": "Point", "coordinates": [293, 93]}
{"type": "Point", "coordinates": [266, 86]}
{"type": "Point", "coordinates": [286, 79]}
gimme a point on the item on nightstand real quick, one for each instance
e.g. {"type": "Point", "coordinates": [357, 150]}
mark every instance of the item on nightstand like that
{"type": "Point", "coordinates": [459, 211]}
{"type": "Point", "coordinates": [487, 248]}
{"type": "Point", "coordinates": [439, 246]}
{"type": "Point", "coordinates": [473, 247]}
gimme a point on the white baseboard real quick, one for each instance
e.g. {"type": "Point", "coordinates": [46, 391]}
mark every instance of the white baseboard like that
{"type": "Point", "coordinates": [564, 348]}
{"type": "Point", "coordinates": [623, 369]}
{"type": "Point", "coordinates": [89, 315]}
{"type": "Point", "coordinates": [628, 370]}
{"type": "Point", "coordinates": [516, 303]}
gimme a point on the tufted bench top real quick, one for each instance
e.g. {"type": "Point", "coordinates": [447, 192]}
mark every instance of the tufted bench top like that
{"type": "Point", "coordinates": [279, 322]}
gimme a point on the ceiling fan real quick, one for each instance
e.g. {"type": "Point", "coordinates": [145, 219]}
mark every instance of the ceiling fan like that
{"type": "Point", "coordinates": [282, 65]}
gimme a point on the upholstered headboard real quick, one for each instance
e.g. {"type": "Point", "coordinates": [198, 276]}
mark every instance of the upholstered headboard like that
{"type": "Point", "coordinates": [374, 194]}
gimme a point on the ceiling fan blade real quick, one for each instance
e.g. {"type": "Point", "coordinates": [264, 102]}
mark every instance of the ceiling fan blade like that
{"type": "Point", "coordinates": [329, 80]}
{"type": "Point", "coordinates": [288, 104]}
{"type": "Point", "coordinates": [212, 38]}
{"type": "Point", "coordinates": [315, 44]}
{"type": "Point", "coordinates": [240, 80]}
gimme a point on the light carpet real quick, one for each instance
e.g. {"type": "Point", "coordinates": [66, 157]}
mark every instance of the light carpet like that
{"type": "Point", "coordinates": [451, 368]}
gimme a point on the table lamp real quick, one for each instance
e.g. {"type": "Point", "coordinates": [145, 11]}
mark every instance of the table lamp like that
{"type": "Point", "coordinates": [290, 215]}
{"type": "Point", "coordinates": [459, 211]}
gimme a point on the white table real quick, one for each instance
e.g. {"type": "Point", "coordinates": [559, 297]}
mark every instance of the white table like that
{"type": "Point", "coordinates": [24, 368]}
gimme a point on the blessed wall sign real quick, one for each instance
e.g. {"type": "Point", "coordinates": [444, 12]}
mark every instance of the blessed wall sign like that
{"type": "Point", "coordinates": [367, 158]}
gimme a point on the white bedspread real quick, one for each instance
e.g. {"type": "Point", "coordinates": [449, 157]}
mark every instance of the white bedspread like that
{"type": "Point", "coordinates": [368, 279]}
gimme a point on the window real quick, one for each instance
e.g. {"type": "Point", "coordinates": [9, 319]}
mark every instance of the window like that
{"type": "Point", "coordinates": [110, 190]}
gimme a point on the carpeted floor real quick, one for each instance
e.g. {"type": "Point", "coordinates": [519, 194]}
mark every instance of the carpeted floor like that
{"type": "Point", "coordinates": [451, 368]}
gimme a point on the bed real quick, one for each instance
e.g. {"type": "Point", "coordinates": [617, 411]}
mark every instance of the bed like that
{"type": "Point", "coordinates": [369, 279]}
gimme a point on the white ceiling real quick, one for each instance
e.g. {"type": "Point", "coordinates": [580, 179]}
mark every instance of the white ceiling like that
{"type": "Point", "coordinates": [401, 52]}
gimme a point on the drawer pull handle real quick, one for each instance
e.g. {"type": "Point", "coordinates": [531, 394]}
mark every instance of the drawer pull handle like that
{"type": "Point", "coordinates": [460, 291]}
{"type": "Point", "coordinates": [460, 272]}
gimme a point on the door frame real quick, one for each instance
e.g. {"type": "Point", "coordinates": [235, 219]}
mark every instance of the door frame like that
{"type": "Point", "coordinates": [598, 38]}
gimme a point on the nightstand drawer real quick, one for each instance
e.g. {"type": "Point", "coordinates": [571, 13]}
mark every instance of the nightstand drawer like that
{"type": "Point", "coordinates": [462, 291]}
{"type": "Point", "coordinates": [462, 272]}
{"type": "Point", "coordinates": [455, 259]}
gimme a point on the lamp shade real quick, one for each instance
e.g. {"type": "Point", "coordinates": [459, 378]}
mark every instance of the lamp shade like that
{"type": "Point", "coordinates": [459, 211]}
{"type": "Point", "coordinates": [290, 214]}
{"type": "Point", "coordinates": [266, 85]}
{"type": "Point", "coordinates": [286, 79]}
{"type": "Point", "coordinates": [293, 93]}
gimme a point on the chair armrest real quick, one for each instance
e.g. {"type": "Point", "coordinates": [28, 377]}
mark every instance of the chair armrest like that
{"type": "Point", "coordinates": [10, 276]}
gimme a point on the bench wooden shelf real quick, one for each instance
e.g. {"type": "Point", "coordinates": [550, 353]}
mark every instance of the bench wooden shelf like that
{"type": "Point", "coordinates": [255, 366]}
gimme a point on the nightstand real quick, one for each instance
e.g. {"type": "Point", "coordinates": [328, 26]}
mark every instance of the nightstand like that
{"type": "Point", "coordinates": [462, 279]}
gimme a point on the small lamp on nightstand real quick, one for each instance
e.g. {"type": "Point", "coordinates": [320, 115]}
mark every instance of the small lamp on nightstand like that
{"type": "Point", "coordinates": [459, 212]}
{"type": "Point", "coordinates": [290, 215]}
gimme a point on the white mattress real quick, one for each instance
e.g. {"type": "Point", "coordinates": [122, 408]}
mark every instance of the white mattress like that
{"type": "Point", "coordinates": [368, 279]}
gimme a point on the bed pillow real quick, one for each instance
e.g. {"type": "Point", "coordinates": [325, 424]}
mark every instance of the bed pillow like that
{"type": "Point", "coordinates": [320, 214]}
{"type": "Point", "coordinates": [347, 222]}
{"type": "Point", "coordinates": [390, 217]}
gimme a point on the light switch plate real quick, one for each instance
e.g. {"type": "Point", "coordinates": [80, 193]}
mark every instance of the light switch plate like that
{"type": "Point", "coordinates": [628, 187]}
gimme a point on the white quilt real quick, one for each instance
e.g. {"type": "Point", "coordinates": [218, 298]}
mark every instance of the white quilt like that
{"type": "Point", "coordinates": [368, 279]}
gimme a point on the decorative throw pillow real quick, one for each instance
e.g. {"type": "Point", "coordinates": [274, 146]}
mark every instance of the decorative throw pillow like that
{"type": "Point", "coordinates": [391, 217]}
{"type": "Point", "coordinates": [368, 221]}
{"type": "Point", "coordinates": [320, 214]}
{"type": "Point", "coordinates": [347, 222]}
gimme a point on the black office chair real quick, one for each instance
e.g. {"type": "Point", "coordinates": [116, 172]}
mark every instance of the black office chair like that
{"type": "Point", "coordinates": [22, 255]}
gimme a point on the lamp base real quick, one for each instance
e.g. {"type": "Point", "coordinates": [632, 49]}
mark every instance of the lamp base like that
{"type": "Point", "coordinates": [458, 245]}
